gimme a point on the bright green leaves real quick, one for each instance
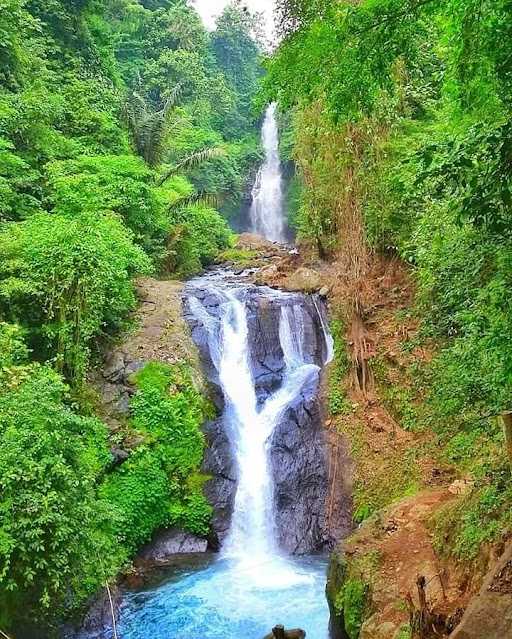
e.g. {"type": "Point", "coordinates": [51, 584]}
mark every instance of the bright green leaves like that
{"type": "Point", "coordinates": [348, 57]}
{"type": "Point", "coordinates": [67, 280]}
{"type": "Point", "coordinates": [159, 485]}
{"type": "Point", "coordinates": [49, 517]}
{"type": "Point", "coordinates": [199, 234]}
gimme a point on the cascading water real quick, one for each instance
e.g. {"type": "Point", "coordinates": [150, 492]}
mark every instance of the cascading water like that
{"type": "Point", "coordinates": [263, 350]}
{"type": "Point", "coordinates": [266, 213]}
{"type": "Point", "coordinates": [252, 585]}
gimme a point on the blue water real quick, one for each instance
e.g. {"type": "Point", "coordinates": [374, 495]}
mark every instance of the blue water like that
{"type": "Point", "coordinates": [224, 600]}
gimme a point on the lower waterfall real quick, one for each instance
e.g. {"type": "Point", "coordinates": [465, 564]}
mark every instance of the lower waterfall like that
{"type": "Point", "coordinates": [263, 350]}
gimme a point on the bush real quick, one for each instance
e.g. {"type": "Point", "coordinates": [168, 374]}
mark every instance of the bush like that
{"type": "Point", "coordinates": [159, 485]}
{"type": "Point", "coordinates": [67, 281]}
{"type": "Point", "coordinates": [352, 600]}
{"type": "Point", "coordinates": [198, 235]}
{"type": "Point", "coordinates": [53, 550]}
{"type": "Point", "coordinates": [122, 184]}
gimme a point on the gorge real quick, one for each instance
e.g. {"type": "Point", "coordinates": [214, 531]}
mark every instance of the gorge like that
{"type": "Point", "coordinates": [193, 221]}
{"type": "Point", "coordinates": [263, 352]}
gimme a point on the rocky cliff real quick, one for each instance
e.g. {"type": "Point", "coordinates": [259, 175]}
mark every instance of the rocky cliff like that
{"type": "Point", "coordinates": [299, 452]}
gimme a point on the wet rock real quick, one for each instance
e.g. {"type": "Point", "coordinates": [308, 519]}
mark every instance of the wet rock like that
{"type": "Point", "coordinates": [119, 456]}
{"type": "Point", "coordinates": [220, 490]}
{"type": "Point", "coordinates": [169, 543]}
{"type": "Point", "coordinates": [114, 367]}
{"type": "Point", "coordinates": [298, 451]}
{"type": "Point", "coordinates": [98, 622]}
{"type": "Point", "coordinates": [300, 471]}
{"type": "Point", "coordinates": [122, 405]}
{"type": "Point", "coordinates": [131, 368]}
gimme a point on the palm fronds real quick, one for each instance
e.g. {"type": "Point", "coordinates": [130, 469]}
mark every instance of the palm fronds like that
{"type": "Point", "coordinates": [148, 126]}
{"type": "Point", "coordinates": [201, 199]}
{"type": "Point", "coordinates": [191, 161]}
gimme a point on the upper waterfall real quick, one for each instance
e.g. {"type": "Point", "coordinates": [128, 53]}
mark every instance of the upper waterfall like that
{"type": "Point", "coordinates": [267, 212]}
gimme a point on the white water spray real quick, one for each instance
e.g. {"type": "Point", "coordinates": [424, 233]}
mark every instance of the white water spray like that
{"type": "Point", "coordinates": [267, 214]}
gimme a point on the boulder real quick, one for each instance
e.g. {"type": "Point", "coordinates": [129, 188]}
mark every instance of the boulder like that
{"type": "Point", "coordinates": [114, 366]}
{"type": "Point", "coordinates": [167, 544]}
{"type": "Point", "coordinates": [489, 615]}
{"type": "Point", "coordinates": [304, 279]}
{"type": "Point", "coordinates": [300, 470]}
{"type": "Point", "coordinates": [279, 632]}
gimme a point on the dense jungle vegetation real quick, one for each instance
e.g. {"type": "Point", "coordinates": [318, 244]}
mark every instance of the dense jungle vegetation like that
{"type": "Point", "coordinates": [126, 138]}
{"type": "Point", "coordinates": [401, 130]}
{"type": "Point", "coordinates": [127, 135]}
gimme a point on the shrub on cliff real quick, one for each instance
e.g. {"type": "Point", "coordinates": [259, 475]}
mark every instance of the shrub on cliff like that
{"type": "Point", "coordinates": [160, 484]}
{"type": "Point", "coordinates": [55, 549]}
{"type": "Point", "coordinates": [67, 281]}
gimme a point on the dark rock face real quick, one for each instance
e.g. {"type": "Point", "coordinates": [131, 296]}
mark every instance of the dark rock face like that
{"type": "Point", "coordinates": [220, 491]}
{"type": "Point", "coordinates": [169, 543]}
{"type": "Point", "coordinates": [297, 448]}
{"type": "Point", "coordinates": [299, 465]}
{"type": "Point", "coordinates": [98, 623]}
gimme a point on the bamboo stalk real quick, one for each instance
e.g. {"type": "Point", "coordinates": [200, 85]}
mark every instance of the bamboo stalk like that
{"type": "Point", "coordinates": [114, 626]}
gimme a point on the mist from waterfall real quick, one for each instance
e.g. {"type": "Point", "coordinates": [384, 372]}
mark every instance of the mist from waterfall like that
{"type": "Point", "coordinates": [267, 214]}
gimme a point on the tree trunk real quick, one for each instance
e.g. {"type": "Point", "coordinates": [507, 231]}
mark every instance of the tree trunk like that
{"type": "Point", "coordinates": [278, 632]}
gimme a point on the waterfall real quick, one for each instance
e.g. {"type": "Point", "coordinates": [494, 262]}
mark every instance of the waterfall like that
{"type": "Point", "coordinates": [263, 350]}
{"type": "Point", "coordinates": [267, 214]}
{"type": "Point", "coordinates": [252, 537]}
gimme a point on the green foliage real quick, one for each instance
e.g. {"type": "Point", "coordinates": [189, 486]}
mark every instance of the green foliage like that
{"type": "Point", "coordinates": [341, 364]}
{"type": "Point", "coordinates": [199, 234]}
{"type": "Point", "coordinates": [242, 258]}
{"type": "Point", "coordinates": [237, 54]}
{"type": "Point", "coordinates": [13, 350]}
{"type": "Point", "coordinates": [481, 517]}
{"type": "Point", "coordinates": [66, 525]}
{"type": "Point", "coordinates": [405, 632]}
{"type": "Point", "coordinates": [66, 280]}
{"type": "Point", "coordinates": [159, 485]}
{"type": "Point", "coordinates": [351, 602]}
{"type": "Point", "coordinates": [122, 184]}
{"type": "Point", "coordinates": [79, 82]}
{"type": "Point", "coordinates": [338, 401]}
{"type": "Point", "coordinates": [50, 519]}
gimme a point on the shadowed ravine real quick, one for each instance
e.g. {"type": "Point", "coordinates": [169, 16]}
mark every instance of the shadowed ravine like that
{"type": "Point", "coordinates": [263, 352]}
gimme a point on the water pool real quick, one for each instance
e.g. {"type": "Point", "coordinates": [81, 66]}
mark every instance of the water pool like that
{"type": "Point", "coordinates": [224, 599]}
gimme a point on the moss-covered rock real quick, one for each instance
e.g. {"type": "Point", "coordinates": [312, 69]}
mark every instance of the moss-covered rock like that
{"type": "Point", "coordinates": [348, 588]}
